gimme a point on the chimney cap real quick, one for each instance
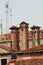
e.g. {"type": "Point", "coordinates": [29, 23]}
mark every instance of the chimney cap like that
{"type": "Point", "coordinates": [23, 22]}
{"type": "Point", "coordinates": [14, 27]}
{"type": "Point", "coordinates": [35, 27]}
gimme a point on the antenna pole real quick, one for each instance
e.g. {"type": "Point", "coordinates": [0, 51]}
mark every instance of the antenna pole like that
{"type": "Point", "coordinates": [1, 29]}
{"type": "Point", "coordinates": [10, 17]}
{"type": "Point", "coordinates": [7, 17]}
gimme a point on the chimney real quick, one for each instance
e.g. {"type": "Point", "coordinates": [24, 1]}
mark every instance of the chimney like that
{"type": "Point", "coordinates": [35, 35]}
{"type": "Point", "coordinates": [14, 37]}
{"type": "Point", "coordinates": [23, 42]}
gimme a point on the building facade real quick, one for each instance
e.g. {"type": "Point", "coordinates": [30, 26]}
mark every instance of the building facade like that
{"type": "Point", "coordinates": [4, 54]}
{"type": "Point", "coordinates": [27, 44]}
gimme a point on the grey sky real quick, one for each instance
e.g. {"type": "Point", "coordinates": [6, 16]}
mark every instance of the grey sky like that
{"type": "Point", "coordinates": [30, 11]}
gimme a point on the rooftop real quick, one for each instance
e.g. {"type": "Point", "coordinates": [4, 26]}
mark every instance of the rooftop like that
{"type": "Point", "coordinates": [34, 26]}
{"type": "Point", "coordinates": [14, 27]}
{"type": "Point", "coordinates": [23, 23]}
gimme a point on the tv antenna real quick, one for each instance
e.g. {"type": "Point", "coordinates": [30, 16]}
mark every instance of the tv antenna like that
{"type": "Point", "coordinates": [7, 17]}
{"type": "Point", "coordinates": [1, 28]}
{"type": "Point", "coordinates": [10, 17]}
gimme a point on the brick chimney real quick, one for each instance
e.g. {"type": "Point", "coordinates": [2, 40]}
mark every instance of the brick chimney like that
{"type": "Point", "coordinates": [35, 35]}
{"type": "Point", "coordinates": [14, 37]}
{"type": "Point", "coordinates": [23, 42]}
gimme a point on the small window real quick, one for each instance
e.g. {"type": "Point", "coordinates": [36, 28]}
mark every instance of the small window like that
{"type": "Point", "coordinates": [22, 29]}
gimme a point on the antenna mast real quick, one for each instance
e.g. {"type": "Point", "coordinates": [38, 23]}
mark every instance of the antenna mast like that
{"type": "Point", "coordinates": [7, 17]}
{"type": "Point", "coordinates": [10, 17]}
{"type": "Point", "coordinates": [1, 29]}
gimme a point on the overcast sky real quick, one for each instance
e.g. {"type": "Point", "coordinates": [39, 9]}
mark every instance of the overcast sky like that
{"type": "Point", "coordinates": [30, 11]}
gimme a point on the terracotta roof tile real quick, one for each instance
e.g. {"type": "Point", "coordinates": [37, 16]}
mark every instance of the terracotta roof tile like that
{"type": "Point", "coordinates": [2, 36]}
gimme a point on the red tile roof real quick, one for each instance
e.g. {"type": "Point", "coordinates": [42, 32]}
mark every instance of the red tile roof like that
{"type": "Point", "coordinates": [2, 36]}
